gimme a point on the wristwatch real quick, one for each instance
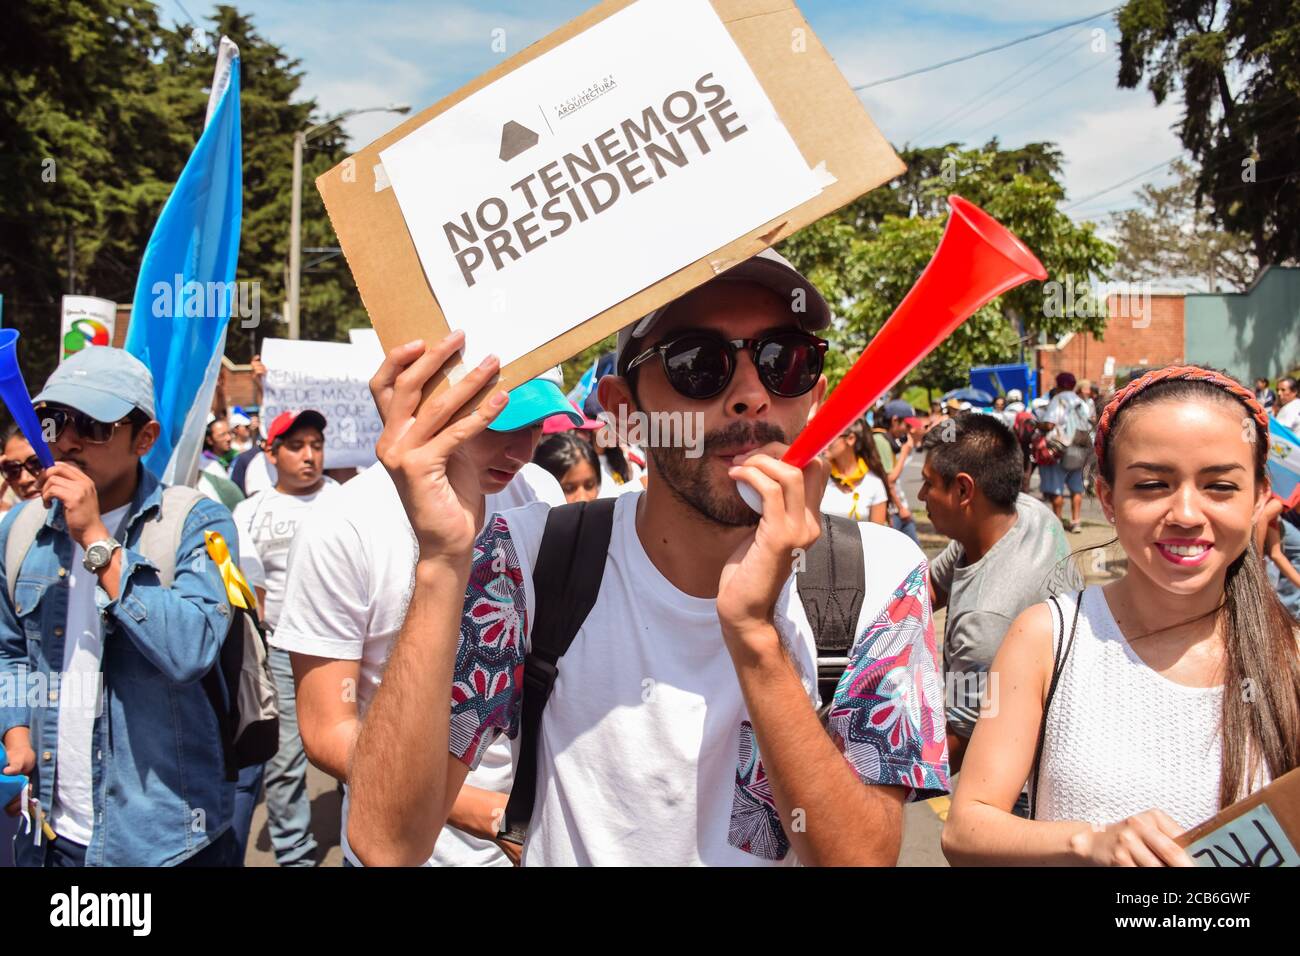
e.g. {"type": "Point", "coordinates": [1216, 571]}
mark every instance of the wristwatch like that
{"type": "Point", "coordinates": [99, 554]}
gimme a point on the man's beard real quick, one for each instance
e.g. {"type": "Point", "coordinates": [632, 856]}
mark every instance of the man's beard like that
{"type": "Point", "coordinates": [688, 480]}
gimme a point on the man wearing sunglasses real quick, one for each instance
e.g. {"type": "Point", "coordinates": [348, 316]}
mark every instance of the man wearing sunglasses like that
{"type": "Point", "coordinates": [682, 726]}
{"type": "Point", "coordinates": [122, 746]}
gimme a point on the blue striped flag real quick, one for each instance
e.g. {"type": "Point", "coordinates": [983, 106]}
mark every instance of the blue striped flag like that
{"type": "Point", "coordinates": [186, 285]}
{"type": "Point", "coordinates": [1284, 462]}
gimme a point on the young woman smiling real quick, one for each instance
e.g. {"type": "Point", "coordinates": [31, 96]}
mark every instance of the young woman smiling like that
{"type": "Point", "coordinates": [1178, 685]}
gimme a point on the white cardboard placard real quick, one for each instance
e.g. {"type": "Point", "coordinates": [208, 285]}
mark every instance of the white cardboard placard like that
{"type": "Point", "coordinates": [567, 185]}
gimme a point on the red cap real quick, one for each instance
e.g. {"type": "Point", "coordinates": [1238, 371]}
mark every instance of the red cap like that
{"type": "Point", "coordinates": [285, 422]}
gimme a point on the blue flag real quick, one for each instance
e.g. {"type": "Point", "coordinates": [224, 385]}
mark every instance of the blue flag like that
{"type": "Point", "coordinates": [1283, 461]}
{"type": "Point", "coordinates": [184, 294]}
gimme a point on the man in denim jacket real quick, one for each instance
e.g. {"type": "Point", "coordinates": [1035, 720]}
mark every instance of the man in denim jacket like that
{"type": "Point", "coordinates": [101, 702]}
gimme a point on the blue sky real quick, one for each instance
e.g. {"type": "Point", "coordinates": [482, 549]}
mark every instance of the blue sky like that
{"type": "Point", "coordinates": [361, 53]}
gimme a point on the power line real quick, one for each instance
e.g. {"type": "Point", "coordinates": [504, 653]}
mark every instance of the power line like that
{"type": "Point", "coordinates": [992, 49]}
{"type": "Point", "coordinates": [1122, 182]}
{"type": "Point", "coordinates": [938, 124]}
{"type": "Point", "coordinates": [1039, 96]}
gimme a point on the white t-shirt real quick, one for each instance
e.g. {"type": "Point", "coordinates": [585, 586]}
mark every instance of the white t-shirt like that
{"type": "Point", "coordinates": [73, 813]}
{"type": "Point", "coordinates": [855, 504]}
{"type": "Point", "coordinates": [646, 753]}
{"type": "Point", "coordinates": [351, 573]}
{"type": "Point", "coordinates": [259, 475]}
{"type": "Point", "coordinates": [270, 521]}
{"type": "Point", "coordinates": [610, 486]}
{"type": "Point", "coordinates": [1289, 414]}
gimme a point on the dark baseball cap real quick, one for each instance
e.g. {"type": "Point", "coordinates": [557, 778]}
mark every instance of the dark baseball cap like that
{"type": "Point", "coordinates": [897, 408]}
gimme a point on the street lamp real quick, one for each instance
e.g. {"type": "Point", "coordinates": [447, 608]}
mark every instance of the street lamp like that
{"type": "Point", "coordinates": [295, 216]}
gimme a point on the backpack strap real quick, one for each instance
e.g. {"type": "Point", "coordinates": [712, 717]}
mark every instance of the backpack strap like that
{"type": "Point", "coordinates": [160, 539]}
{"type": "Point", "coordinates": [161, 536]}
{"type": "Point", "coordinates": [831, 587]}
{"type": "Point", "coordinates": [566, 582]}
{"type": "Point", "coordinates": [22, 535]}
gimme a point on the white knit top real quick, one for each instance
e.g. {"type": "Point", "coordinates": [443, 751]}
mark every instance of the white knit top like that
{"type": "Point", "coordinates": [1120, 737]}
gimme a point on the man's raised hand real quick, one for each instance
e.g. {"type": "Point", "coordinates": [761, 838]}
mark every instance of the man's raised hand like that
{"type": "Point", "coordinates": [423, 448]}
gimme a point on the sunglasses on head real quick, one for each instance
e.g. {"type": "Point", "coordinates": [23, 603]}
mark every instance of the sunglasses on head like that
{"type": "Point", "coordinates": [55, 418]}
{"type": "Point", "coordinates": [12, 470]}
{"type": "Point", "coordinates": [700, 365]}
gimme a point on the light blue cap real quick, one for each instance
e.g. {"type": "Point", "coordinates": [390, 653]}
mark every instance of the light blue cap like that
{"type": "Point", "coordinates": [104, 383]}
{"type": "Point", "coordinates": [533, 401]}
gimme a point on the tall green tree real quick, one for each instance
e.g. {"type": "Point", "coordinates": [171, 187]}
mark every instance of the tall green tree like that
{"type": "Point", "coordinates": [1236, 64]}
{"type": "Point", "coordinates": [271, 112]}
{"type": "Point", "coordinates": [868, 255]}
{"type": "Point", "coordinates": [100, 107]}
{"type": "Point", "coordinates": [1170, 234]}
{"type": "Point", "coordinates": [87, 143]}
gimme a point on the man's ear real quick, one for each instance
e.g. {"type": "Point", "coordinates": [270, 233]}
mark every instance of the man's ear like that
{"type": "Point", "coordinates": [145, 438]}
{"type": "Point", "coordinates": [818, 394]}
{"type": "Point", "coordinates": [965, 488]}
{"type": "Point", "coordinates": [615, 392]}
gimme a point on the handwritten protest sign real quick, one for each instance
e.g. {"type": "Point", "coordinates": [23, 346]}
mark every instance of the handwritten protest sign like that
{"type": "Point", "coordinates": [332, 378]}
{"type": "Point", "coordinates": [1253, 839]}
{"type": "Point", "coordinates": [1262, 830]}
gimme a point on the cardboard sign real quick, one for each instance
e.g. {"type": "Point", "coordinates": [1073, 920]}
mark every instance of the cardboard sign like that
{"type": "Point", "coordinates": [86, 321]}
{"type": "Point", "coordinates": [560, 131]}
{"type": "Point", "coordinates": [326, 377]}
{"type": "Point", "coordinates": [1262, 830]}
{"type": "Point", "coordinates": [502, 197]}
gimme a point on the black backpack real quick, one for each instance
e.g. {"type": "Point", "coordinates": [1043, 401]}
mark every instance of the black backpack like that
{"type": "Point", "coordinates": [566, 580]}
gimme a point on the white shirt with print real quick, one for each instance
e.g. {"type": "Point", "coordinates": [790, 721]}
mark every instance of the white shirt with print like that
{"type": "Point", "coordinates": [647, 754]}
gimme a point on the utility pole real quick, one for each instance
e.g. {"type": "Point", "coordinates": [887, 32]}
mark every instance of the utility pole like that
{"type": "Point", "coordinates": [295, 213]}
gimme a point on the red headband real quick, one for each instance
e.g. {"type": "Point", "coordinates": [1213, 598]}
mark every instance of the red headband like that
{"type": "Point", "coordinates": [1190, 373]}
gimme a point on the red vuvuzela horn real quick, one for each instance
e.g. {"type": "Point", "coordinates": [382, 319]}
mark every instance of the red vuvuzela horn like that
{"type": "Point", "coordinates": [978, 259]}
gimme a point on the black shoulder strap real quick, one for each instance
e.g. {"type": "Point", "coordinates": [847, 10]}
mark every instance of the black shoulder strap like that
{"type": "Point", "coordinates": [566, 581]}
{"type": "Point", "coordinates": [831, 587]}
{"type": "Point", "coordinates": [832, 583]}
{"type": "Point", "coordinates": [1059, 653]}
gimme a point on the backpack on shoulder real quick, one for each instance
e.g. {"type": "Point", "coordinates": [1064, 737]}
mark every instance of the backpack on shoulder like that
{"type": "Point", "coordinates": [567, 577]}
{"type": "Point", "coordinates": [249, 719]}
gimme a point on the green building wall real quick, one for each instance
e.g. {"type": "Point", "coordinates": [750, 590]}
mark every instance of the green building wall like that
{"type": "Point", "coordinates": [1251, 333]}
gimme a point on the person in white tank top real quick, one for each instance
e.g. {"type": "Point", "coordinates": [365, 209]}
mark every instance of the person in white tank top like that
{"type": "Point", "coordinates": [1156, 721]}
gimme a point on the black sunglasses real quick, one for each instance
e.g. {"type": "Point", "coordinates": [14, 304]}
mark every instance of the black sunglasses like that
{"type": "Point", "coordinates": [700, 365]}
{"type": "Point", "coordinates": [13, 469]}
{"type": "Point", "coordinates": [55, 418]}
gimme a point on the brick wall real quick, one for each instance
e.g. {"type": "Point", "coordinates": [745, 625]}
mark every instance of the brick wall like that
{"type": "Point", "coordinates": [1144, 338]}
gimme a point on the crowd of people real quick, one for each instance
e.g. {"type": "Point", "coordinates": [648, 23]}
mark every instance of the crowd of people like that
{"type": "Point", "coordinates": [520, 638]}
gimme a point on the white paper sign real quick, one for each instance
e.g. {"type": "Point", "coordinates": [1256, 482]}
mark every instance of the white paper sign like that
{"type": "Point", "coordinates": [1253, 839]}
{"type": "Point", "coordinates": [326, 377]}
{"type": "Point", "coordinates": [617, 158]}
{"type": "Point", "coordinates": [86, 322]}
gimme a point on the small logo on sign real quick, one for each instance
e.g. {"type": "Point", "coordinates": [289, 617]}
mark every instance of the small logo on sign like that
{"type": "Point", "coordinates": [515, 139]}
